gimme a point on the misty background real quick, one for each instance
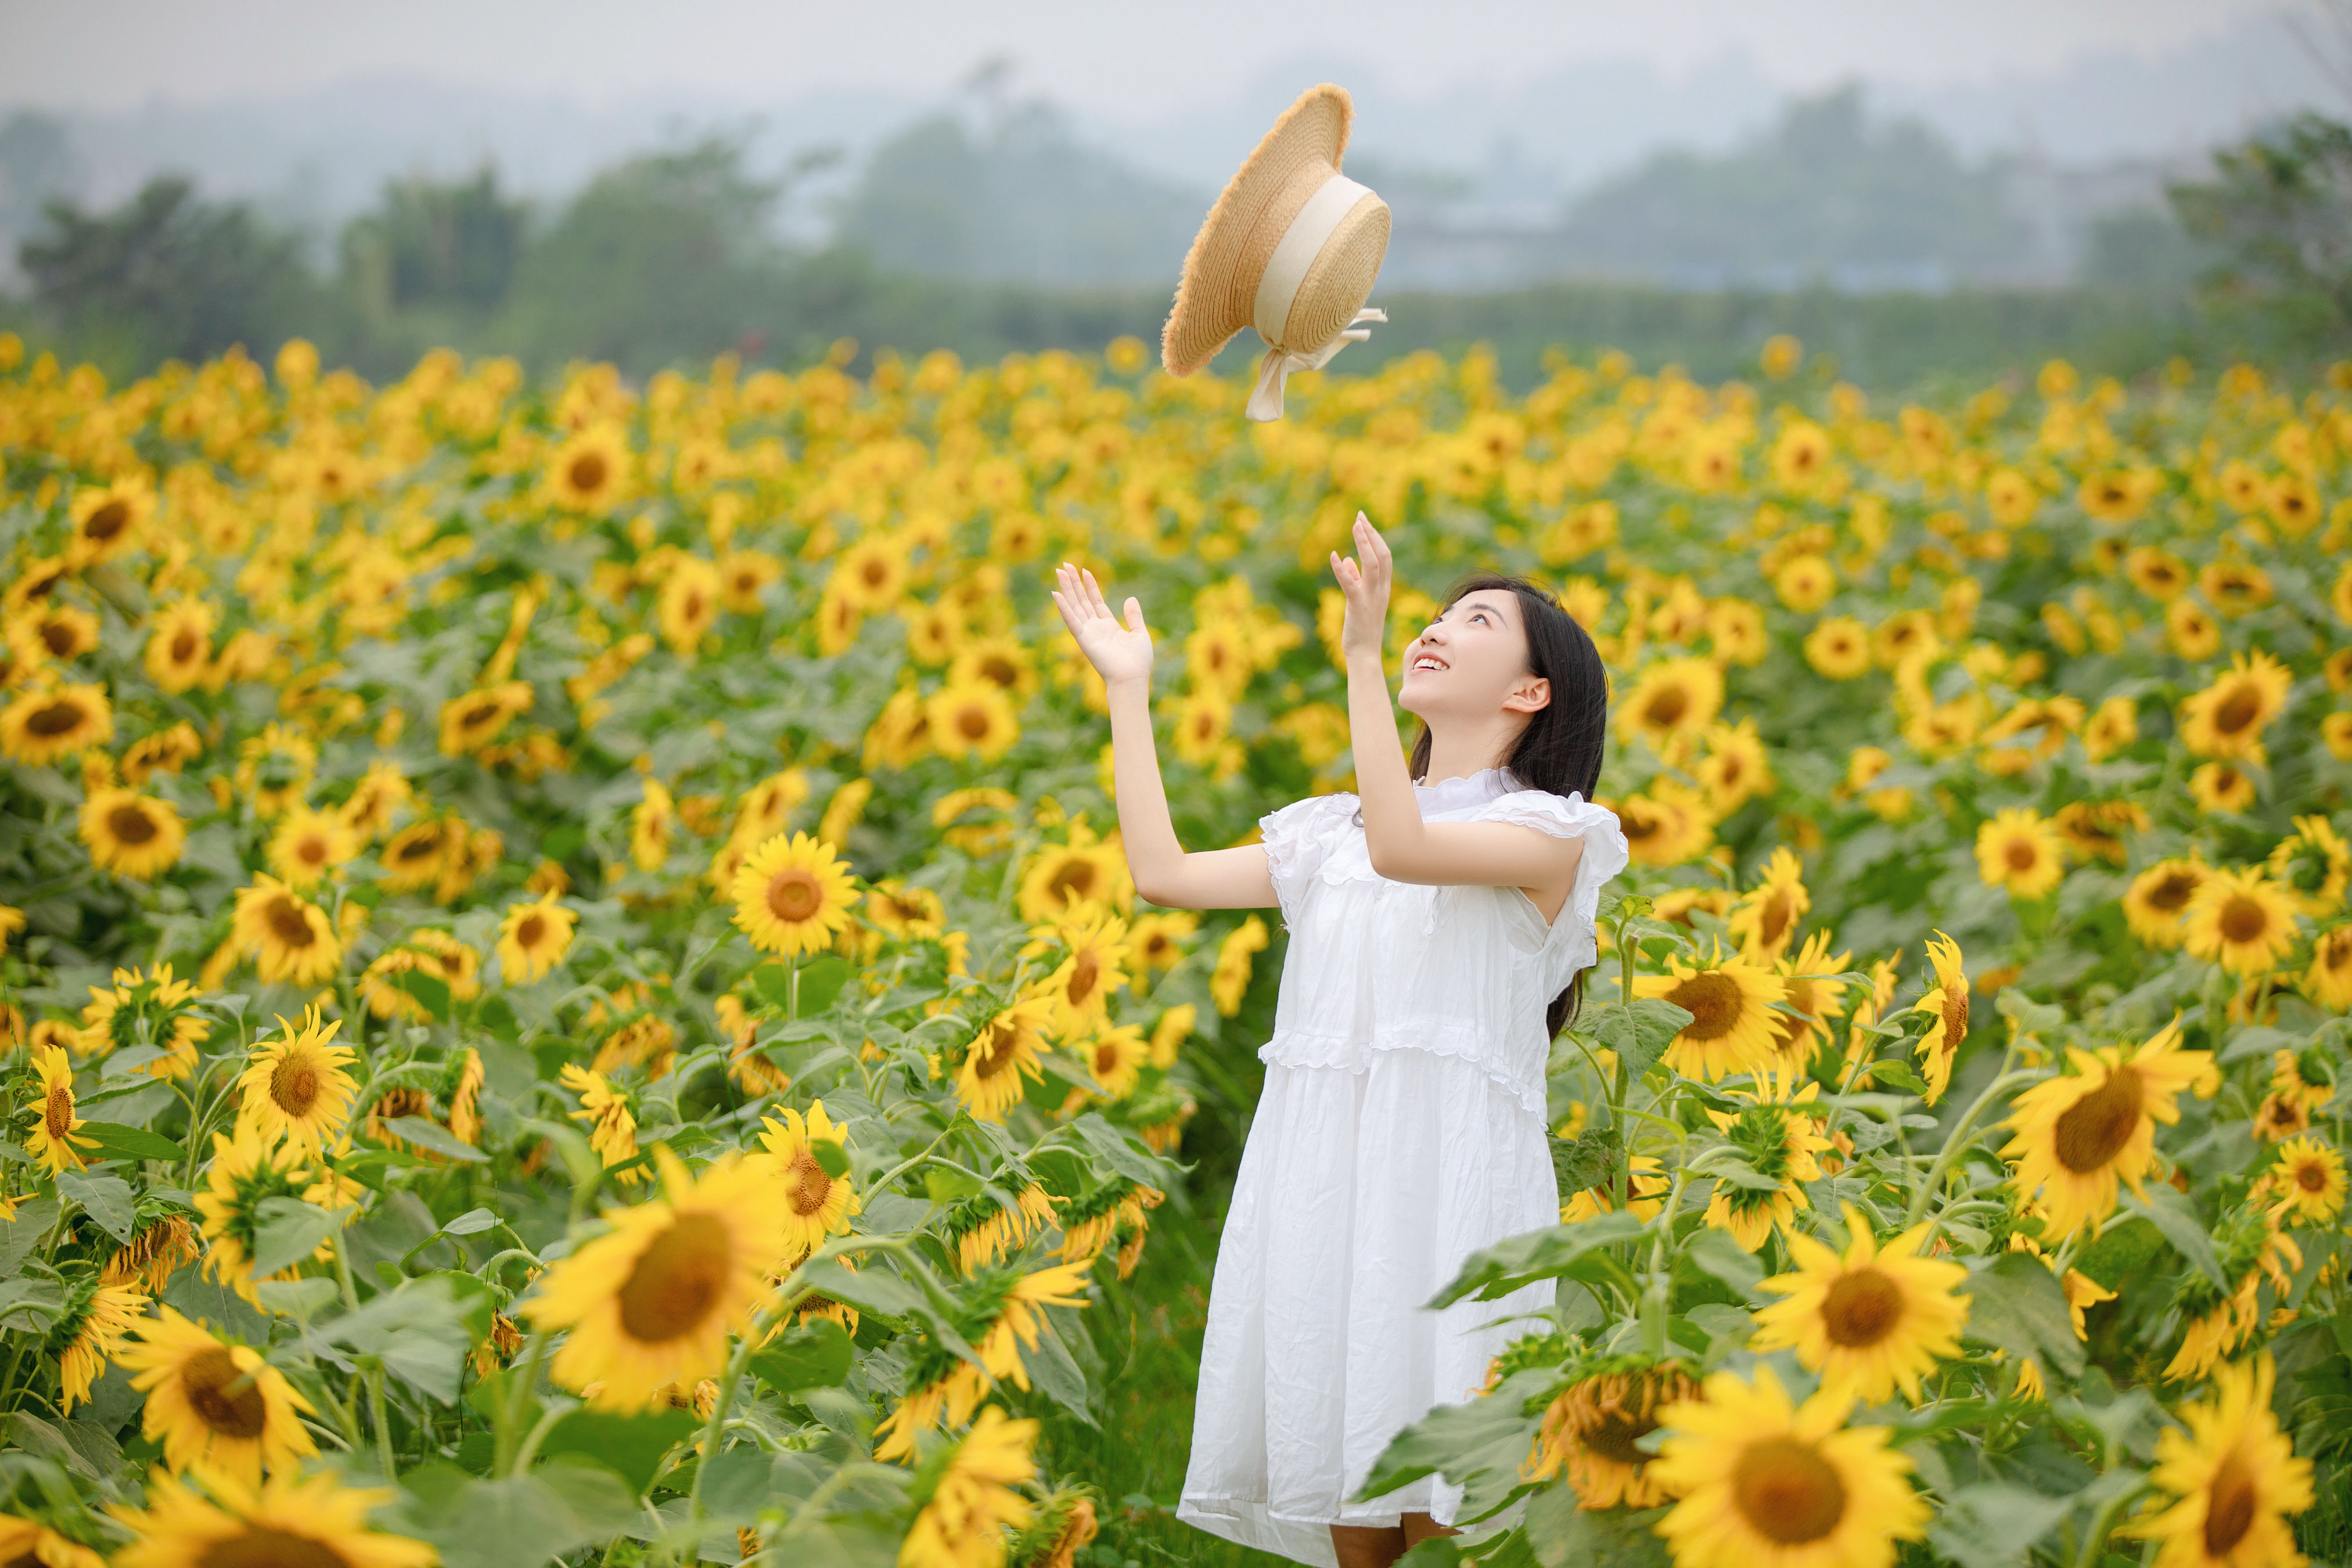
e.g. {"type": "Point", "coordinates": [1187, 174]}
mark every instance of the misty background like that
{"type": "Point", "coordinates": [1669, 197]}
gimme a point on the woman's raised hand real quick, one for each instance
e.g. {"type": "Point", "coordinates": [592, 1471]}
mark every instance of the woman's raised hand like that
{"type": "Point", "coordinates": [1365, 582]}
{"type": "Point", "coordinates": [1117, 652]}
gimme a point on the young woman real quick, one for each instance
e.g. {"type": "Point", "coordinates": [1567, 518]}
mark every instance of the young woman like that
{"type": "Point", "coordinates": [1440, 921]}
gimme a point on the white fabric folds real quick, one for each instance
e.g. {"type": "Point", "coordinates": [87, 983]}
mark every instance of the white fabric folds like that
{"type": "Point", "coordinates": [1401, 1129]}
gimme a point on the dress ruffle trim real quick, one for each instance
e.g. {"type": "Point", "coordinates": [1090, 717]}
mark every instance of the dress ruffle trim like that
{"type": "Point", "coordinates": [1302, 1048]}
{"type": "Point", "coordinates": [1606, 852]}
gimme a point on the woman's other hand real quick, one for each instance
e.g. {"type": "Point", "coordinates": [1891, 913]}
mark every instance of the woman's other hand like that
{"type": "Point", "coordinates": [1117, 652]}
{"type": "Point", "coordinates": [1365, 582]}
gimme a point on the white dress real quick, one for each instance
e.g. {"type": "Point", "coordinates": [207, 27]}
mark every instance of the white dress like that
{"type": "Point", "coordinates": [1401, 1129]}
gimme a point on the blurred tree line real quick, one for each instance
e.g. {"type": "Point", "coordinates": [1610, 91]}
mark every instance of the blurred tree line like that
{"type": "Point", "coordinates": [673, 256]}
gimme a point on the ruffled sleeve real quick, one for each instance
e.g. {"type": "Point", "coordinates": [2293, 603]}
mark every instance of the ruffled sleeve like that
{"type": "Point", "coordinates": [1296, 837]}
{"type": "Point", "coordinates": [1570, 815]}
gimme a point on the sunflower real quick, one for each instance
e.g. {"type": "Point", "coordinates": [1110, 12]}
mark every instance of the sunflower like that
{"type": "Point", "coordinates": [215, 1403]}
{"type": "Point", "coordinates": [463, 1082]}
{"type": "Point", "coordinates": [415, 856]}
{"type": "Point", "coordinates": [247, 1171]}
{"type": "Point", "coordinates": [2222, 787]}
{"type": "Point", "coordinates": [816, 1204]}
{"type": "Point", "coordinates": [1811, 1001]}
{"type": "Point", "coordinates": [2078, 1134]}
{"type": "Point", "coordinates": [2192, 634]}
{"type": "Point", "coordinates": [1775, 1137]}
{"type": "Point", "coordinates": [1169, 1035]}
{"type": "Point", "coordinates": [1665, 827]}
{"type": "Point", "coordinates": [473, 720]}
{"type": "Point", "coordinates": [1646, 1186]}
{"type": "Point", "coordinates": [2159, 897]}
{"type": "Point", "coordinates": [651, 823]}
{"type": "Point", "coordinates": [35, 1545]}
{"type": "Point", "coordinates": [964, 1524]}
{"type": "Point", "coordinates": [292, 938]}
{"type": "Point", "coordinates": [906, 912]}
{"type": "Point", "coordinates": [2315, 863]}
{"type": "Point", "coordinates": [973, 718]}
{"type": "Point", "coordinates": [2328, 980]}
{"type": "Point", "coordinates": [1877, 1318]}
{"type": "Point", "coordinates": [1059, 875]}
{"type": "Point", "coordinates": [2233, 1476]}
{"type": "Point", "coordinates": [1947, 1004]}
{"type": "Point", "coordinates": [792, 896]}
{"type": "Point", "coordinates": [100, 1316]}
{"type": "Point", "coordinates": [2310, 1180]}
{"type": "Point", "coordinates": [53, 1143]}
{"type": "Point", "coordinates": [2020, 850]}
{"type": "Point", "coordinates": [1005, 1312]}
{"type": "Point", "coordinates": [42, 726]}
{"type": "Point", "coordinates": [424, 951]}
{"type": "Point", "coordinates": [179, 645]}
{"type": "Point", "coordinates": [285, 1522]}
{"type": "Point", "coordinates": [687, 607]}
{"type": "Point", "coordinates": [1839, 648]}
{"type": "Point", "coordinates": [155, 1252]}
{"type": "Point", "coordinates": [308, 845]}
{"type": "Point", "coordinates": [107, 521]}
{"type": "Point", "coordinates": [2227, 719]}
{"type": "Point", "coordinates": [1761, 1479]}
{"type": "Point", "coordinates": [1157, 940]}
{"type": "Point", "coordinates": [988, 1084]}
{"type": "Point", "coordinates": [1590, 1428]}
{"type": "Point", "coordinates": [295, 1088]}
{"type": "Point", "coordinates": [1674, 698]}
{"type": "Point", "coordinates": [1229, 980]}
{"type": "Point", "coordinates": [1093, 1221]}
{"type": "Point", "coordinates": [2094, 830]}
{"type": "Point", "coordinates": [2241, 920]}
{"type": "Point", "coordinates": [1003, 663]}
{"type": "Point", "coordinates": [131, 835]}
{"type": "Point", "coordinates": [163, 752]}
{"type": "Point", "coordinates": [1115, 1059]}
{"type": "Point", "coordinates": [611, 1121]}
{"type": "Point", "coordinates": [985, 1226]}
{"type": "Point", "coordinates": [533, 937]}
{"type": "Point", "coordinates": [1767, 916]}
{"type": "Point", "coordinates": [2112, 726]}
{"type": "Point", "coordinates": [1729, 998]}
{"type": "Point", "coordinates": [1082, 985]}
{"type": "Point", "coordinates": [654, 1299]}
{"type": "Point", "coordinates": [590, 472]}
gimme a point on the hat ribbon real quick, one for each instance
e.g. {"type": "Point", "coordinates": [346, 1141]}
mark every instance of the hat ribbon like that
{"type": "Point", "coordinates": [1274, 370]}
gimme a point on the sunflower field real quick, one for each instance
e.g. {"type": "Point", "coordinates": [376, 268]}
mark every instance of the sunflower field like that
{"type": "Point", "coordinates": [571, 991]}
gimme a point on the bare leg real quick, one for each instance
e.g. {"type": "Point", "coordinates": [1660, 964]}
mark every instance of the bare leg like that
{"type": "Point", "coordinates": [1367, 1546]}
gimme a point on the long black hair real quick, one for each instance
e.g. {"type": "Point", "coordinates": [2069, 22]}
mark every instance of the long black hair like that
{"type": "Point", "coordinates": [1559, 750]}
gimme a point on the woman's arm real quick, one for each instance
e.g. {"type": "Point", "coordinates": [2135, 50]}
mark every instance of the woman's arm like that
{"type": "Point", "coordinates": [1164, 873]}
{"type": "Point", "coordinates": [1402, 846]}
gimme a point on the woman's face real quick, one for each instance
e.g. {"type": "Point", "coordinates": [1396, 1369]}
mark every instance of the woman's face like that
{"type": "Point", "coordinates": [1472, 661]}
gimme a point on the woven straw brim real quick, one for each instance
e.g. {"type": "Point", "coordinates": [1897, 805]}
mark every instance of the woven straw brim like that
{"type": "Point", "coordinates": [1219, 286]}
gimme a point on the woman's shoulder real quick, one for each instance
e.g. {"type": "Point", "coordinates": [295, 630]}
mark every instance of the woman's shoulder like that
{"type": "Point", "coordinates": [1569, 816]}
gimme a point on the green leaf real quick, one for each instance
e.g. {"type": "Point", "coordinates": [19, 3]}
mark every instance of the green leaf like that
{"type": "Point", "coordinates": [830, 1156]}
{"type": "Point", "coordinates": [106, 1199]}
{"type": "Point", "coordinates": [1121, 1150]}
{"type": "Point", "coordinates": [2169, 1209]}
{"type": "Point", "coordinates": [495, 1016]}
{"type": "Point", "coordinates": [522, 1521]}
{"type": "Point", "coordinates": [632, 1447]}
{"type": "Point", "coordinates": [31, 1303]}
{"type": "Point", "coordinates": [822, 980]}
{"type": "Point", "coordinates": [1538, 1255]}
{"type": "Point", "coordinates": [1489, 1433]}
{"type": "Point", "coordinates": [1054, 1371]}
{"type": "Point", "coordinates": [472, 1222]}
{"type": "Point", "coordinates": [1563, 1534]}
{"type": "Point", "coordinates": [1993, 1525]}
{"type": "Point", "coordinates": [816, 1356]}
{"type": "Point", "coordinates": [430, 991]}
{"type": "Point", "coordinates": [116, 1141]}
{"type": "Point", "coordinates": [291, 1230]}
{"type": "Point", "coordinates": [774, 983]}
{"type": "Point", "coordinates": [2018, 1305]}
{"type": "Point", "coordinates": [1588, 1159]}
{"type": "Point", "coordinates": [872, 1291]}
{"type": "Point", "coordinates": [301, 1300]}
{"type": "Point", "coordinates": [1899, 1074]}
{"type": "Point", "coordinates": [1713, 1252]}
{"type": "Point", "coordinates": [433, 1137]}
{"type": "Point", "coordinates": [1640, 1031]}
{"type": "Point", "coordinates": [419, 1333]}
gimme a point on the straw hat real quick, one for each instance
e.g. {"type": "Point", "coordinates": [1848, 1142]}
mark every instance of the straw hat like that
{"type": "Point", "coordinates": [1291, 248]}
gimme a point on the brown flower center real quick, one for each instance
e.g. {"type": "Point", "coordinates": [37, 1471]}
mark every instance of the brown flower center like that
{"type": "Point", "coordinates": [972, 723]}
{"type": "Point", "coordinates": [1613, 1436]}
{"type": "Point", "coordinates": [1788, 1493]}
{"type": "Point", "coordinates": [223, 1397]}
{"type": "Point", "coordinates": [588, 472]}
{"type": "Point", "coordinates": [794, 895]}
{"type": "Point", "coordinates": [2238, 712]}
{"type": "Point", "coordinates": [2311, 1177]}
{"type": "Point", "coordinates": [2021, 855]}
{"type": "Point", "coordinates": [2243, 920]}
{"type": "Point", "coordinates": [294, 1084]}
{"type": "Point", "coordinates": [62, 717]}
{"type": "Point", "coordinates": [806, 1185]}
{"type": "Point", "coordinates": [107, 521]}
{"type": "Point", "coordinates": [1085, 972]}
{"type": "Point", "coordinates": [1666, 707]}
{"type": "Point", "coordinates": [185, 646]}
{"type": "Point", "coordinates": [2095, 1129]}
{"type": "Point", "coordinates": [58, 1112]}
{"type": "Point", "coordinates": [287, 923]}
{"type": "Point", "coordinates": [2173, 894]}
{"type": "Point", "coordinates": [1073, 878]}
{"type": "Point", "coordinates": [528, 934]}
{"type": "Point", "coordinates": [1861, 1309]}
{"type": "Point", "coordinates": [1715, 1003]}
{"type": "Point", "coordinates": [2230, 1501]}
{"type": "Point", "coordinates": [999, 1047]}
{"type": "Point", "coordinates": [130, 825]}
{"type": "Point", "coordinates": [677, 1280]}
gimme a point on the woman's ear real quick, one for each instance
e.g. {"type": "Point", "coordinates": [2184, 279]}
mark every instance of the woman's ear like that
{"type": "Point", "coordinates": [1532, 694]}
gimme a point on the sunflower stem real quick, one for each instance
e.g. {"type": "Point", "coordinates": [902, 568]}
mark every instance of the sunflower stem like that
{"type": "Point", "coordinates": [511, 1408]}
{"type": "Point", "coordinates": [2095, 1540]}
{"type": "Point", "coordinates": [371, 1376]}
{"type": "Point", "coordinates": [1963, 1133]}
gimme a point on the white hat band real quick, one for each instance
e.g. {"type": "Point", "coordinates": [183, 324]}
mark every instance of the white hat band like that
{"type": "Point", "coordinates": [1301, 243]}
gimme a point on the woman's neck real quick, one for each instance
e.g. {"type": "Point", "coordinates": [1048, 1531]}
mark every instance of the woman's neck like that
{"type": "Point", "coordinates": [1456, 755]}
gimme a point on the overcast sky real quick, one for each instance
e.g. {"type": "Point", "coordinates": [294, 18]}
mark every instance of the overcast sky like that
{"type": "Point", "coordinates": [1108, 58]}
